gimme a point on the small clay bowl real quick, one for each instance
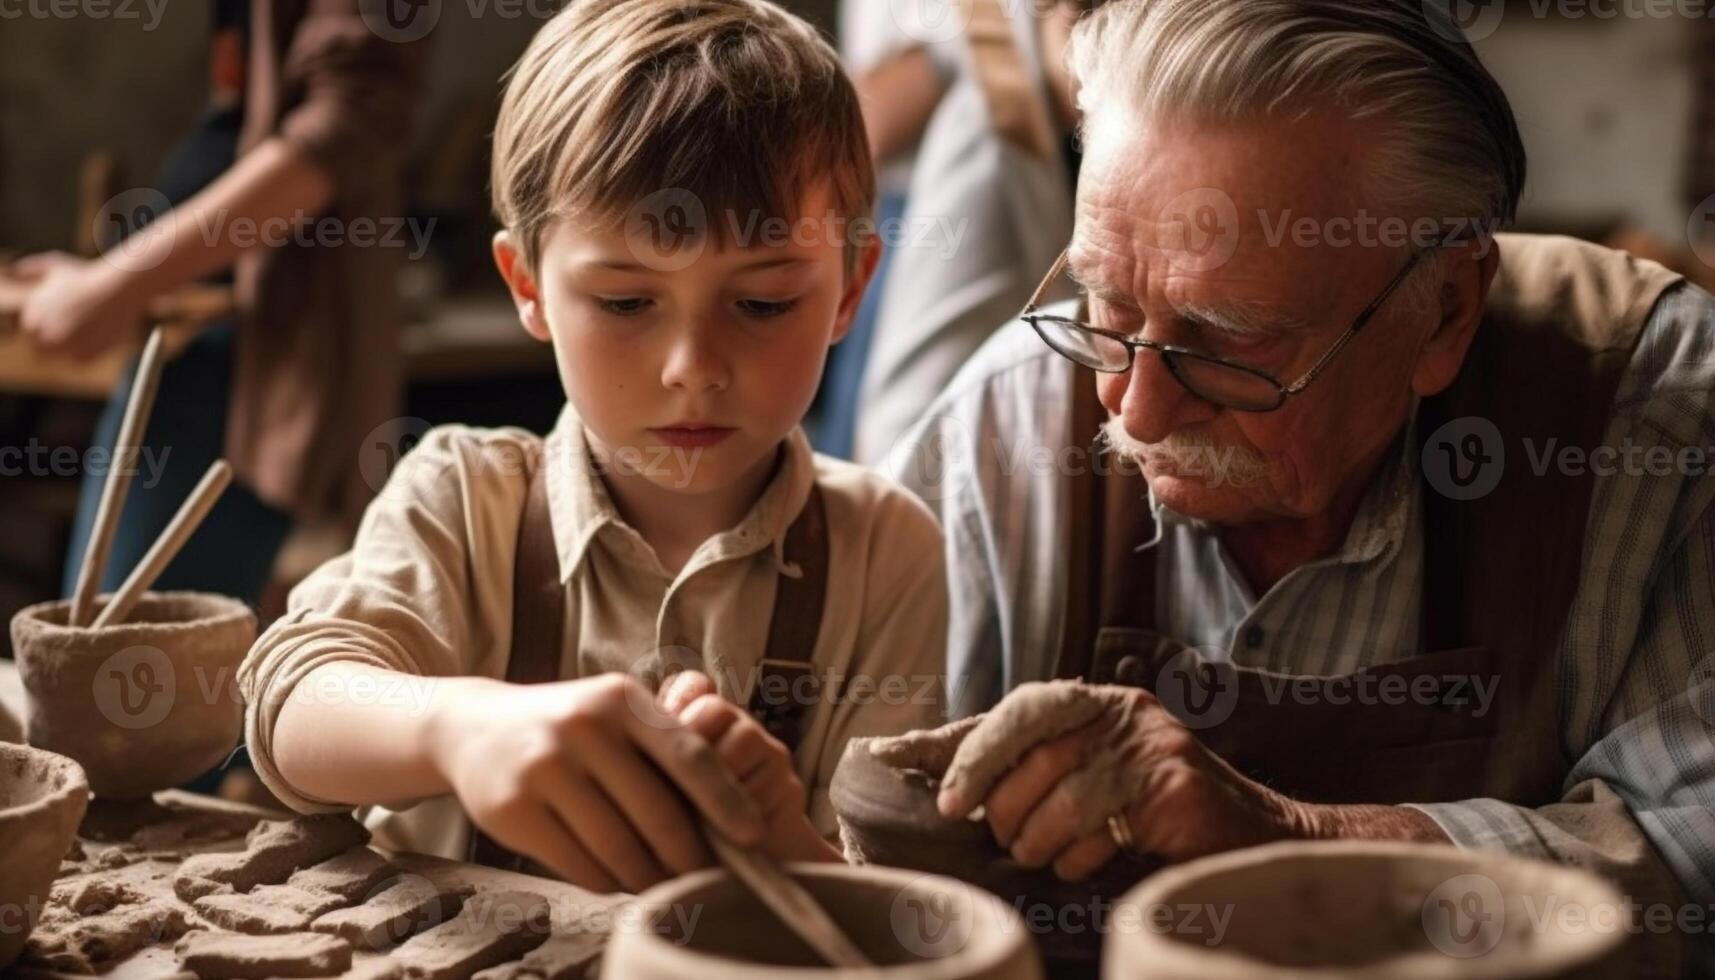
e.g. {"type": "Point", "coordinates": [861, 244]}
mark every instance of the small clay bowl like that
{"type": "Point", "coordinates": [42, 799]}
{"type": "Point", "coordinates": [1347, 909]}
{"type": "Point", "coordinates": [142, 706]}
{"type": "Point", "coordinates": [708, 926]}
{"type": "Point", "coordinates": [888, 817]}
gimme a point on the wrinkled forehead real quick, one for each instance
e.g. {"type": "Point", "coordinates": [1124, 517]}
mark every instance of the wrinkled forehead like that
{"type": "Point", "coordinates": [1266, 212]}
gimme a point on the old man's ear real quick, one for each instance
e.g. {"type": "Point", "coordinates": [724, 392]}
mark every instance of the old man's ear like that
{"type": "Point", "coordinates": [1470, 269]}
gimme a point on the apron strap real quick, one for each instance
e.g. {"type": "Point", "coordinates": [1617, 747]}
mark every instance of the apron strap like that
{"type": "Point", "coordinates": [787, 683]}
{"type": "Point", "coordinates": [539, 621]}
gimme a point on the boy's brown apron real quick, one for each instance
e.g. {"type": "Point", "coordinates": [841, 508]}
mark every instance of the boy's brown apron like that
{"type": "Point", "coordinates": [1500, 570]}
{"type": "Point", "coordinates": [786, 685]}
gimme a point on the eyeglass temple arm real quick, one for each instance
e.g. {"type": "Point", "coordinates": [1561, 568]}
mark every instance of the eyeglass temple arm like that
{"type": "Point", "coordinates": [1363, 320]}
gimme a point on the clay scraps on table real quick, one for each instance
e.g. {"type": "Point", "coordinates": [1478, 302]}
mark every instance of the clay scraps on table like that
{"type": "Point", "coordinates": [310, 892]}
{"type": "Point", "coordinates": [489, 930]}
{"type": "Point", "coordinates": [274, 849]}
{"type": "Point", "coordinates": [565, 956]}
{"type": "Point", "coordinates": [231, 956]}
{"type": "Point", "coordinates": [93, 922]}
{"type": "Point", "coordinates": [400, 908]}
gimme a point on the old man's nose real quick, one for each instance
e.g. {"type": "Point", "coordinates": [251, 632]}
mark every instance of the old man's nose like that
{"type": "Point", "coordinates": [1149, 401]}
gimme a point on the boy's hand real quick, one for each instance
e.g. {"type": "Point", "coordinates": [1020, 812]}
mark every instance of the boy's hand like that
{"type": "Point", "coordinates": [586, 777]}
{"type": "Point", "coordinates": [755, 758]}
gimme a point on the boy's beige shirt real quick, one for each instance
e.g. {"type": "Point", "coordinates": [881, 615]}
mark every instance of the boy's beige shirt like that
{"type": "Point", "coordinates": [427, 590]}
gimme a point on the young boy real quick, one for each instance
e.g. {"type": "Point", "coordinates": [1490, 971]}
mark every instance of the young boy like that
{"type": "Point", "coordinates": [677, 180]}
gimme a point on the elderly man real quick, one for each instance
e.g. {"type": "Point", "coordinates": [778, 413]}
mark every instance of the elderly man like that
{"type": "Point", "coordinates": [1422, 547]}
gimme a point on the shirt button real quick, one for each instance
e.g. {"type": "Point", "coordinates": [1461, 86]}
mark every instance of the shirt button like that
{"type": "Point", "coordinates": [1254, 635]}
{"type": "Point", "coordinates": [1130, 671]}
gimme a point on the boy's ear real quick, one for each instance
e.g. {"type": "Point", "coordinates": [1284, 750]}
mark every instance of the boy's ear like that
{"type": "Point", "coordinates": [525, 295]}
{"type": "Point", "coordinates": [863, 270]}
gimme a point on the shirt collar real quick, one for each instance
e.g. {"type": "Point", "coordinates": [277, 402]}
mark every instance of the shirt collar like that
{"type": "Point", "coordinates": [580, 507]}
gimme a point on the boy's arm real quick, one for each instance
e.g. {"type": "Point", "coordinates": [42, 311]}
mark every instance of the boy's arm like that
{"type": "Point", "coordinates": [425, 593]}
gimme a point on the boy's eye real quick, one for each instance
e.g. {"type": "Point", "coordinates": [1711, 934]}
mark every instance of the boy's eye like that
{"type": "Point", "coordinates": [629, 306]}
{"type": "Point", "coordinates": [763, 309]}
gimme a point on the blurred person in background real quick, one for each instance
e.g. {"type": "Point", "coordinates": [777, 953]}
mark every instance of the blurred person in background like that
{"type": "Point", "coordinates": [901, 72]}
{"type": "Point", "coordinates": [308, 120]}
{"type": "Point", "coordinates": [990, 194]}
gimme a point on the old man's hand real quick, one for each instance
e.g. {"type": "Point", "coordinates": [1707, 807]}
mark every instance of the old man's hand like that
{"type": "Point", "coordinates": [1054, 761]}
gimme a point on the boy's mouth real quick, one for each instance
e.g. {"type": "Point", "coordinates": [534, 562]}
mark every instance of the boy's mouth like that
{"type": "Point", "coordinates": [692, 436]}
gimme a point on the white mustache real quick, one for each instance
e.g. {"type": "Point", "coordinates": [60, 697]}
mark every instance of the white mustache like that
{"type": "Point", "coordinates": [1190, 455]}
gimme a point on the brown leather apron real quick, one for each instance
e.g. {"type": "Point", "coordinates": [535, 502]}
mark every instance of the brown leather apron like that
{"type": "Point", "coordinates": [1500, 570]}
{"type": "Point", "coordinates": [787, 683]}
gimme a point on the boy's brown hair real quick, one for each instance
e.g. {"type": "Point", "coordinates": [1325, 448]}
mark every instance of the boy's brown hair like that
{"type": "Point", "coordinates": [737, 102]}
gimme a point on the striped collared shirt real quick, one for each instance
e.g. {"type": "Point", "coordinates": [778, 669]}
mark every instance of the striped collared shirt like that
{"type": "Point", "coordinates": [1636, 672]}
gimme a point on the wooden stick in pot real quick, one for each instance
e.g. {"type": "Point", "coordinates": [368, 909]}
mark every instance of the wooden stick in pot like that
{"type": "Point", "coordinates": [775, 887]}
{"type": "Point", "coordinates": [121, 467]}
{"type": "Point", "coordinates": [167, 546]}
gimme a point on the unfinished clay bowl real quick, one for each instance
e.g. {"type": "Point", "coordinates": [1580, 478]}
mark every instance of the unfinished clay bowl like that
{"type": "Point", "coordinates": [42, 799]}
{"type": "Point", "coordinates": [708, 926]}
{"type": "Point", "coordinates": [888, 817]}
{"type": "Point", "coordinates": [1348, 909]}
{"type": "Point", "coordinates": [142, 706]}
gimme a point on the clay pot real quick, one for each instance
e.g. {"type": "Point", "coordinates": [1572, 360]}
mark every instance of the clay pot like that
{"type": "Point", "coordinates": [1362, 909]}
{"type": "Point", "coordinates": [142, 706]}
{"type": "Point", "coordinates": [42, 799]}
{"type": "Point", "coordinates": [887, 816]}
{"type": "Point", "coordinates": [708, 926]}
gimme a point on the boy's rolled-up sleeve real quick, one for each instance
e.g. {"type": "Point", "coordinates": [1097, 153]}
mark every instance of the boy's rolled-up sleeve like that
{"type": "Point", "coordinates": [426, 591]}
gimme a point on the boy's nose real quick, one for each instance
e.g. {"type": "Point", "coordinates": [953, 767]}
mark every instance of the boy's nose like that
{"type": "Point", "coordinates": [695, 363]}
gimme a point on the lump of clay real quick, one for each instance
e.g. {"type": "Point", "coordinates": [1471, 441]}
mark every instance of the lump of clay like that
{"type": "Point", "coordinates": [489, 930]}
{"type": "Point", "coordinates": [884, 793]}
{"type": "Point", "coordinates": [91, 924]}
{"type": "Point", "coordinates": [231, 956]}
{"type": "Point", "coordinates": [333, 884]}
{"type": "Point", "coordinates": [400, 908]}
{"type": "Point", "coordinates": [274, 849]}
{"type": "Point", "coordinates": [566, 956]}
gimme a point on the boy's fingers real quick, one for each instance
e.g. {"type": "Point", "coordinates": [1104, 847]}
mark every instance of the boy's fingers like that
{"type": "Point", "coordinates": [745, 749]}
{"type": "Point", "coordinates": [649, 803]}
{"type": "Point", "coordinates": [683, 688]}
{"type": "Point", "coordinates": [610, 839]}
{"type": "Point", "coordinates": [693, 764]}
{"type": "Point", "coordinates": [710, 716]}
{"type": "Point", "coordinates": [34, 266]}
{"type": "Point", "coordinates": [556, 846]}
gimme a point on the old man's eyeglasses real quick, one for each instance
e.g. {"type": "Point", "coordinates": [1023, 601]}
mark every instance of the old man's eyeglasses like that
{"type": "Point", "coordinates": [1212, 378]}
